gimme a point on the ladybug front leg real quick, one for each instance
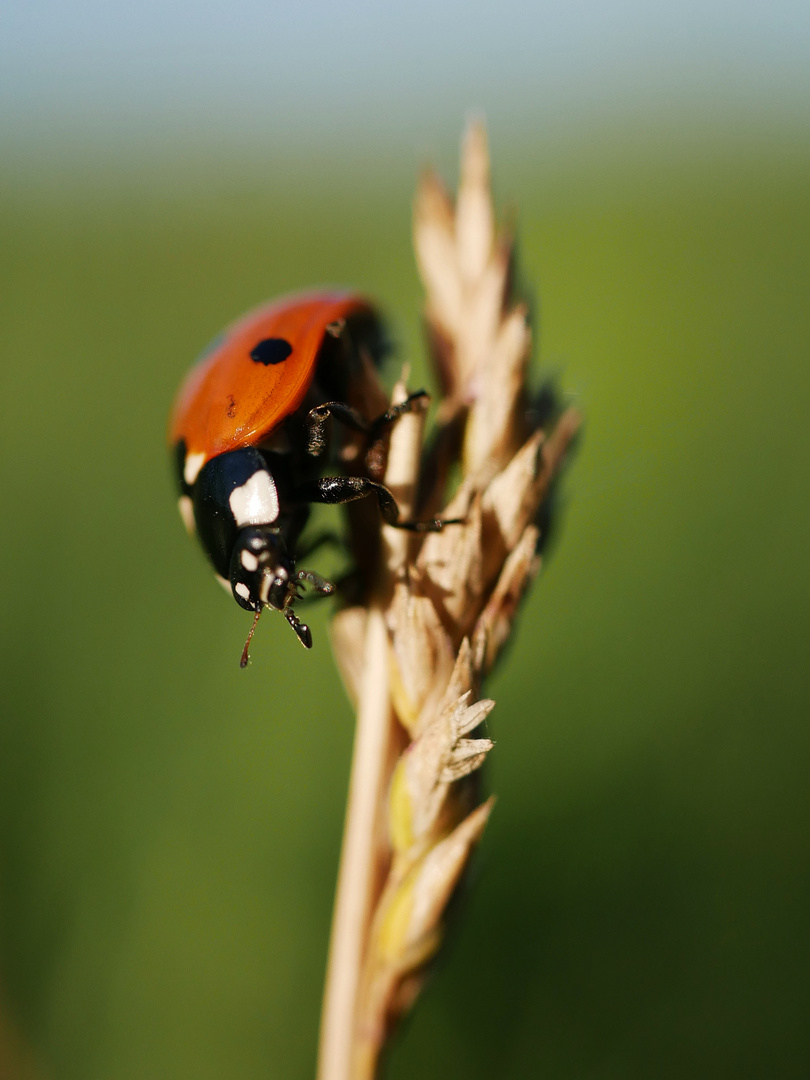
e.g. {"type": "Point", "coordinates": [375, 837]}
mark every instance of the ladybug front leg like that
{"type": "Point", "coordinates": [333, 490]}
{"type": "Point", "coordinates": [412, 403]}
{"type": "Point", "coordinates": [318, 418]}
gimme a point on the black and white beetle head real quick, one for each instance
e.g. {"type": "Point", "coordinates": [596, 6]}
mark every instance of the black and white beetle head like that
{"type": "Point", "coordinates": [262, 572]}
{"type": "Point", "coordinates": [250, 541]}
{"type": "Point", "coordinates": [263, 575]}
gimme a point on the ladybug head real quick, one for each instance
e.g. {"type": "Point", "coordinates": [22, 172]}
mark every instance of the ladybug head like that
{"type": "Point", "coordinates": [262, 571]}
{"type": "Point", "coordinates": [263, 575]}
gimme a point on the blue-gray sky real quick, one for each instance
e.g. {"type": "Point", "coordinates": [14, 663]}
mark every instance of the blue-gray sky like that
{"type": "Point", "coordinates": [311, 67]}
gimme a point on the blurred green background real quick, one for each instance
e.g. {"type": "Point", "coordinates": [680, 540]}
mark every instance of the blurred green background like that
{"type": "Point", "coordinates": [169, 825]}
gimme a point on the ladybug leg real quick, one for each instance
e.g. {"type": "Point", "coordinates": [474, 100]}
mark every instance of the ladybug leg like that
{"type": "Point", "coordinates": [412, 403]}
{"type": "Point", "coordinates": [344, 489]}
{"type": "Point", "coordinates": [319, 586]}
{"type": "Point", "coordinates": [318, 418]}
{"type": "Point", "coordinates": [318, 583]}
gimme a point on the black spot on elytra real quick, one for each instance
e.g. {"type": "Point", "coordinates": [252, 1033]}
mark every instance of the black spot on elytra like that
{"type": "Point", "coordinates": [231, 406]}
{"type": "Point", "coordinates": [273, 350]}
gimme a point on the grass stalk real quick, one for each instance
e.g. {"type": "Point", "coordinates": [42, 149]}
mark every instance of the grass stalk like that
{"type": "Point", "coordinates": [414, 659]}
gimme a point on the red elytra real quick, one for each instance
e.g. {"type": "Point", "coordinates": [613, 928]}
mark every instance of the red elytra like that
{"type": "Point", "coordinates": [229, 400]}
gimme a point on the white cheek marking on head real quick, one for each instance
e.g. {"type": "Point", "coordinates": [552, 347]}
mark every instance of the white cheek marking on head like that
{"type": "Point", "coordinates": [256, 501]}
{"type": "Point", "coordinates": [249, 561]}
{"type": "Point", "coordinates": [242, 590]}
{"type": "Point", "coordinates": [186, 508]}
{"type": "Point", "coordinates": [226, 585]}
{"type": "Point", "coordinates": [191, 470]}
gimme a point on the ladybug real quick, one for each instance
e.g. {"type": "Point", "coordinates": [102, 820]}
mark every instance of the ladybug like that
{"type": "Point", "coordinates": [250, 433]}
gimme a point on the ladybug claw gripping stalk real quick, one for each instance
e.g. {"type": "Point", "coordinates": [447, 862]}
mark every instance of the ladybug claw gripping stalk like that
{"type": "Point", "coordinates": [250, 431]}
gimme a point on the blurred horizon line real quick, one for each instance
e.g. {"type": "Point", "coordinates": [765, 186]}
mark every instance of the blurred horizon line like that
{"type": "Point", "coordinates": [682, 128]}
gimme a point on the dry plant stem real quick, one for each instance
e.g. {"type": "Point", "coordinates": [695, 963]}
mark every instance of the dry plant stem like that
{"type": "Point", "coordinates": [357, 876]}
{"type": "Point", "coordinates": [360, 872]}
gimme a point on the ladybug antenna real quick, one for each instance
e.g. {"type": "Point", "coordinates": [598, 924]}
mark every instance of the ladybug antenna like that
{"type": "Point", "coordinates": [243, 663]}
{"type": "Point", "coordinates": [301, 629]}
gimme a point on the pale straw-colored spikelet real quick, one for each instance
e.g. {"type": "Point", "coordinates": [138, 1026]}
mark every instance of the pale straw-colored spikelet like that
{"type": "Point", "coordinates": [415, 658]}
